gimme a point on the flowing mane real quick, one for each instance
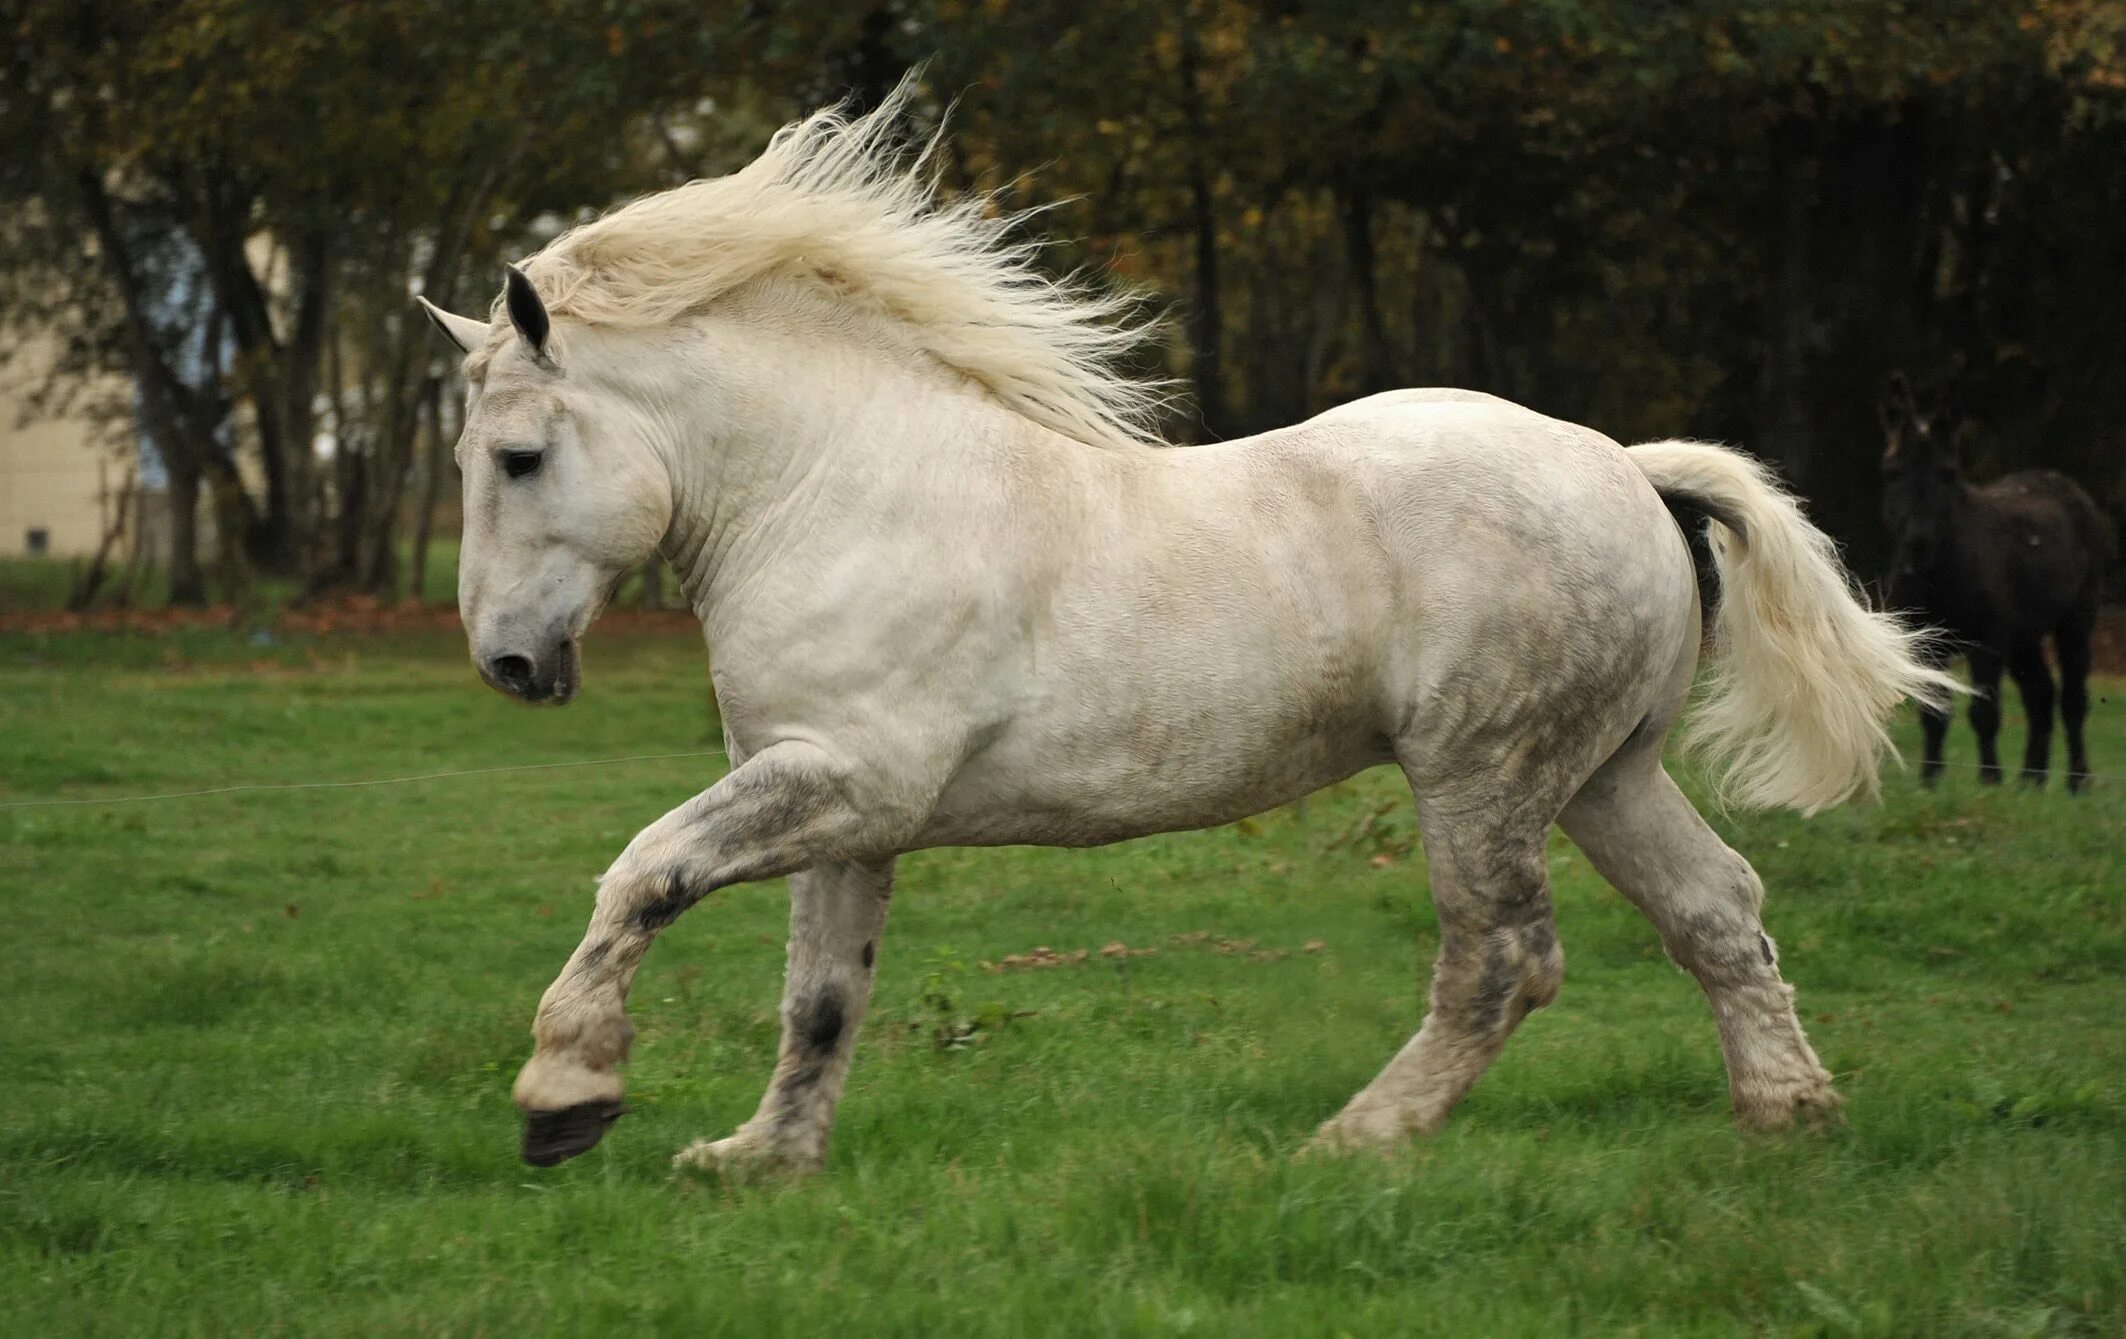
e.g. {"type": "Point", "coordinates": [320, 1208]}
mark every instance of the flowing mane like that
{"type": "Point", "coordinates": [851, 203]}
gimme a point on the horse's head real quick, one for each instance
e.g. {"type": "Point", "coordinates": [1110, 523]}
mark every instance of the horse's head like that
{"type": "Point", "coordinates": [563, 496]}
{"type": "Point", "coordinates": [1920, 481]}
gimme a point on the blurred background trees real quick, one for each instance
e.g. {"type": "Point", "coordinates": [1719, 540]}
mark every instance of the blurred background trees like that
{"type": "Point", "coordinates": [1719, 218]}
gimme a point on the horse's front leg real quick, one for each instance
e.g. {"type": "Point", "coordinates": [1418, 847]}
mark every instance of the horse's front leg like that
{"type": "Point", "coordinates": [1934, 730]}
{"type": "Point", "coordinates": [837, 912]}
{"type": "Point", "coordinates": [1986, 713]}
{"type": "Point", "coordinates": [787, 808]}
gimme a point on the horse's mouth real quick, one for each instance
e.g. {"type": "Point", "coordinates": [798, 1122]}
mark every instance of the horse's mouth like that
{"type": "Point", "coordinates": [551, 681]}
{"type": "Point", "coordinates": [568, 675]}
{"type": "Point", "coordinates": [559, 688]}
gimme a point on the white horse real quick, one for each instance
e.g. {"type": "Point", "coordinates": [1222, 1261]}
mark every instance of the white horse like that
{"type": "Point", "coordinates": [958, 596]}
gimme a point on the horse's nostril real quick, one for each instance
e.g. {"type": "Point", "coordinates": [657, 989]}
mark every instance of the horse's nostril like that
{"type": "Point", "coordinates": [512, 672]}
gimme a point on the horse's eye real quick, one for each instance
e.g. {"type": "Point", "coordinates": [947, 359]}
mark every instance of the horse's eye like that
{"type": "Point", "coordinates": [517, 464]}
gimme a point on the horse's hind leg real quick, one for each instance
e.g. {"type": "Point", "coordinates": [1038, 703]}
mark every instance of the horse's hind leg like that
{"type": "Point", "coordinates": [2072, 642]}
{"type": "Point", "coordinates": [2033, 679]}
{"type": "Point", "coordinates": [1647, 840]}
{"type": "Point", "coordinates": [1498, 959]}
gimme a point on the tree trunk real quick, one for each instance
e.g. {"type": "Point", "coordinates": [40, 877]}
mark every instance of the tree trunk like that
{"type": "Point", "coordinates": [135, 548]}
{"type": "Point", "coordinates": [1206, 320]}
{"type": "Point", "coordinates": [233, 524]}
{"type": "Point", "coordinates": [188, 584]}
{"type": "Point", "coordinates": [91, 580]}
{"type": "Point", "coordinates": [390, 469]}
{"type": "Point", "coordinates": [288, 520]}
{"type": "Point", "coordinates": [1356, 206]}
{"type": "Point", "coordinates": [1784, 430]}
{"type": "Point", "coordinates": [183, 421]}
{"type": "Point", "coordinates": [431, 489]}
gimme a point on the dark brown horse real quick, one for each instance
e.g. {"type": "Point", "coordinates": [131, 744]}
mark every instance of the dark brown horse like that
{"type": "Point", "coordinates": [1997, 567]}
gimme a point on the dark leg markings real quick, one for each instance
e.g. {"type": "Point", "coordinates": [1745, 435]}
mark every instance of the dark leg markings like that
{"type": "Point", "coordinates": [822, 1025]}
{"type": "Point", "coordinates": [669, 905]}
{"type": "Point", "coordinates": [1496, 987]}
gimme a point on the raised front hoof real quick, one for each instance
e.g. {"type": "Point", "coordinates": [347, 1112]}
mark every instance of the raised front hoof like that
{"type": "Point", "coordinates": [553, 1137]}
{"type": "Point", "coordinates": [743, 1159]}
{"type": "Point", "coordinates": [1814, 1106]}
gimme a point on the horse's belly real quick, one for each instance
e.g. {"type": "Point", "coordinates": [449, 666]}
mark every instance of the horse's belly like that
{"type": "Point", "coordinates": [1011, 796]}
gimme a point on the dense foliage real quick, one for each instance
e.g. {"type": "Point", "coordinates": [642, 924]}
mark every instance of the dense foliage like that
{"type": "Point", "coordinates": [1728, 218]}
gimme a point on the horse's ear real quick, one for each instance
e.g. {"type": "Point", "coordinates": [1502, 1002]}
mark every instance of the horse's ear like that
{"type": "Point", "coordinates": [526, 312]}
{"type": "Point", "coordinates": [462, 331]}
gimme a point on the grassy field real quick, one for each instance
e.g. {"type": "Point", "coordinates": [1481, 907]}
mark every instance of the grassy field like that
{"type": "Point", "coordinates": [258, 1047]}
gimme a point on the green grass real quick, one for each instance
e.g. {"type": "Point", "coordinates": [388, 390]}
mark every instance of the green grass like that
{"type": "Point", "coordinates": [257, 1050]}
{"type": "Point", "coordinates": [45, 583]}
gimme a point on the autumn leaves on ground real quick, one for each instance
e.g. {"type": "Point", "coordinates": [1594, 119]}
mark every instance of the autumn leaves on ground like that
{"type": "Point", "coordinates": [258, 1049]}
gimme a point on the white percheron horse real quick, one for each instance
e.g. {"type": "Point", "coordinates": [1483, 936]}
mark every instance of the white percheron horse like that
{"type": "Point", "coordinates": [958, 596]}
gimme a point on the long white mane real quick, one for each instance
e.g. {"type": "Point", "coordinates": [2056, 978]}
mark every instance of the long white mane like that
{"type": "Point", "coordinates": [852, 204]}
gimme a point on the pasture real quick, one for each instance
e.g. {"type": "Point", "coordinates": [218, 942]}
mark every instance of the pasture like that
{"type": "Point", "coordinates": [258, 1049]}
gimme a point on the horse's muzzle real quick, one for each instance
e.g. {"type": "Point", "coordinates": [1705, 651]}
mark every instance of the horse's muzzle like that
{"type": "Point", "coordinates": [550, 679]}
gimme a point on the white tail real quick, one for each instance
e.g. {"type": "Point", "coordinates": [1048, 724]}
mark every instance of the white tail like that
{"type": "Point", "coordinates": [1804, 675]}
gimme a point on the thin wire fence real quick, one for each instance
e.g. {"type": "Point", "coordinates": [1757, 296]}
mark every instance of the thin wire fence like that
{"type": "Point", "coordinates": [254, 787]}
{"type": "Point", "coordinates": [2006, 770]}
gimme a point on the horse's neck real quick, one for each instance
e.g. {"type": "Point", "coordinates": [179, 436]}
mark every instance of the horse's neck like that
{"type": "Point", "coordinates": [1946, 580]}
{"type": "Point", "coordinates": [801, 441]}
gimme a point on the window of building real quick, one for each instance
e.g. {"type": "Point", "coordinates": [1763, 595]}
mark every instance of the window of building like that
{"type": "Point", "coordinates": [38, 541]}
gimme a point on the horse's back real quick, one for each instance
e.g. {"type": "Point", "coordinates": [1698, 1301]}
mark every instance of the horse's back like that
{"type": "Point", "coordinates": [2050, 532]}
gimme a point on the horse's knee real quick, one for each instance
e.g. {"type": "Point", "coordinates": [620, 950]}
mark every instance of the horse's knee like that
{"type": "Point", "coordinates": [1544, 975]}
{"type": "Point", "coordinates": [2074, 700]}
{"type": "Point", "coordinates": [1492, 980]}
{"type": "Point", "coordinates": [1986, 713]}
{"type": "Point", "coordinates": [2037, 698]}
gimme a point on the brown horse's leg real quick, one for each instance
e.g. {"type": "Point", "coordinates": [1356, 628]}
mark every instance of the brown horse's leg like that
{"type": "Point", "coordinates": [1934, 728]}
{"type": "Point", "coordinates": [1986, 713]}
{"type": "Point", "coordinates": [2033, 679]}
{"type": "Point", "coordinates": [2072, 642]}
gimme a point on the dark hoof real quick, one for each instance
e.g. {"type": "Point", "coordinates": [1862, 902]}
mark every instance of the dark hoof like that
{"type": "Point", "coordinates": [553, 1137]}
